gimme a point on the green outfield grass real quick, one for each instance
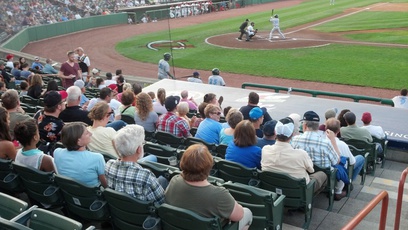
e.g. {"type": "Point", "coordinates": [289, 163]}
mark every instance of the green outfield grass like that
{"type": "Point", "coordinates": [381, 67]}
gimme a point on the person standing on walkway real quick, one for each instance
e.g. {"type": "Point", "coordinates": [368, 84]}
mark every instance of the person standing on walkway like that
{"type": "Point", "coordinates": [164, 67]}
{"type": "Point", "coordinates": [275, 21]}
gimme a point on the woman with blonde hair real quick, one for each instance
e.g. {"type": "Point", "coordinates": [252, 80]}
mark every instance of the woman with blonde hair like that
{"type": "Point", "coordinates": [126, 87]}
{"type": "Point", "coordinates": [158, 105]}
{"type": "Point", "coordinates": [102, 136]}
{"type": "Point", "coordinates": [234, 116]}
{"type": "Point", "coordinates": [145, 116]}
{"type": "Point", "coordinates": [182, 110]}
{"type": "Point", "coordinates": [191, 190]}
{"type": "Point", "coordinates": [210, 128]}
{"type": "Point", "coordinates": [243, 149]}
{"type": "Point", "coordinates": [35, 90]}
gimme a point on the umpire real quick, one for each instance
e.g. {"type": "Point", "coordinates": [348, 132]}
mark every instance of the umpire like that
{"type": "Point", "coordinates": [242, 30]}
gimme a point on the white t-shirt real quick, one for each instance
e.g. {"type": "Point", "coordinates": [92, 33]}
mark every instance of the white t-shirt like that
{"type": "Point", "coordinates": [375, 130]}
{"type": "Point", "coordinates": [400, 102]}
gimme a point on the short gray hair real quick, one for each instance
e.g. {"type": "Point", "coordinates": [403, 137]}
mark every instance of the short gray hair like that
{"type": "Point", "coordinates": [128, 139]}
{"type": "Point", "coordinates": [73, 93]}
{"type": "Point", "coordinates": [312, 125]}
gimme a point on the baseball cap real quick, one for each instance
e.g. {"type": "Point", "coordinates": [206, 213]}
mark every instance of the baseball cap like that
{"type": "Point", "coordinates": [268, 128]}
{"type": "Point", "coordinates": [53, 98]}
{"type": "Point", "coordinates": [310, 116]}
{"type": "Point", "coordinates": [195, 74]}
{"type": "Point", "coordinates": [171, 102]}
{"type": "Point", "coordinates": [255, 113]}
{"type": "Point", "coordinates": [95, 70]}
{"type": "Point", "coordinates": [330, 113]}
{"type": "Point", "coordinates": [9, 56]}
{"type": "Point", "coordinates": [366, 118]}
{"type": "Point", "coordinates": [36, 58]}
{"type": "Point", "coordinates": [113, 87]}
{"type": "Point", "coordinates": [285, 127]}
{"type": "Point", "coordinates": [79, 83]}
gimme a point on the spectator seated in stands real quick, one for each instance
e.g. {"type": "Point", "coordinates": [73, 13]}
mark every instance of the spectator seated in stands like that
{"type": "Point", "coordinates": [25, 73]}
{"type": "Point", "coordinates": [75, 160]}
{"type": "Point", "coordinates": [170, 122]}
{"type": "Point", "coordinates": [358, 161]}
{"type": "Point", "coordinates": [144, 114]}
{"type": "Point", "coordinates": [234, 116]}
{"type": "Point", "coordinates": [352, 131]}
{"type": "Point", "coordinates": [126, 108]}
{"type": "Point", "coordinates": [375, 131]}
{"type": "Point", "coordinates": [26, 133]}
{"type": "Point", "coordinates": [199, 119]}
{"type": "Point", "coordinates": [269, 136]}
{"type": "Point", "coordinates": [49, 68]}
{"type": "Point", "coordinates": [7, 148]}
{"type": "Point", "coordinates": [37, 65]}
{"type": "Point", "coordinates": [192, 105]}
{"type": "Point", "coordinates": [23, 88]}
{"type": "Point", "coordinates": [73, 112]}
{"type": "Point", "coordinates": [401, 101]}
{"type": "Point", "coordinates": [16, 72]}
{"type": "Point", "coordinates": [126, 86]}
{"type": "Point", "coordinates": [210, 128]}
{"type": "Point", "coordinates": [323, 151]}
{"type": "Point", "coordinates": [126, 175]}
{"type": "Point", "coordinates": [84, 100]}
{"type": "Point", "coordinates": [49, 125]}
{"type": "Point", "coordinates": [182, 111]}
{"type": "Point", "coordinates": [2, 87]}
{"type": "Point", "coordinates": [283, 158]}
{"type": "Point", "coordinates": [158, 105]}
{"type": "Point", "coordinates": [35, 90]}
{"type": "Point", "coordinates": [11, 102]}
{"type": "Point", "coordinates": [6, 77]}
{"type": "Point", "coordinates": [243, 149]}
{"type": "Point", "coordinates": [256, 117]}
{"type": "Point", "coordinates": [102, 136]}
{"type": "Point", "coordinates": [191, 190]}
{"type": "Point", "coordinates": [9, 63]}
{"type": "Point", "coordinates": [328, 114]}
{"type": "Point", "coordinates": [253, 100]}
{"type": "Point", "coordinates": [109, 80]}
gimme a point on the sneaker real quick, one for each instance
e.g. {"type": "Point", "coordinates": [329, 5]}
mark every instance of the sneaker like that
{"type": "Point", "coordinates": [247, 40]}
{"type": "Point", "coordinates": [239, 38]}
{"type": "Point", "coordinates": [379, 160]}
{"type": "Point", "coordinates": [340, 196]}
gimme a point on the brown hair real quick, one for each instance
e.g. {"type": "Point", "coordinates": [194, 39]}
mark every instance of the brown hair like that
{"type": "Point", "coordinates": [36, 80]}
{"type": "Point", "coordinates": [127, 98]}
{"type": "Point", "coordinates": [99, 111]}
{"type": "Point", "coordinates": [340, 117]}
{"type": "Point", "coordinates": [161, 95]}
{"type": "Point", "coordinates": [71, 133]}
{"type": "Point", "coordinates": [144, 105]}
{"type": "Point", "coordinates": [253, 98]}
{"type": "Point", "coordinates": [10, 99]}
{"type": "Point", "coordinates": [4, 126]}
{"type": "Point", "coordinates": [209, 97]}
{"type": "Point", "coordinates": [196, 163]}
{"type": "Point", "coordinates": [333, 124]}
{"type": "Point", "coordinates": [244, 134]}
{"type": "Point", "coordinates": [201, 109]}
{"type": "Point", "coordinates": [233, 117]}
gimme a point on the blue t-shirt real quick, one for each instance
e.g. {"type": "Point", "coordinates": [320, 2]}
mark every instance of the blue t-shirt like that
{"type": "Point", "coordinates": [249, 156]}
{"type": "Point", "coordinates": [209, 131]}
{"type": "Point", "coordinates": [84, 99]}
{"type": "Point", "coordinates": [83, 166]}
{"type": "Point", "coordinates": [224, 138]}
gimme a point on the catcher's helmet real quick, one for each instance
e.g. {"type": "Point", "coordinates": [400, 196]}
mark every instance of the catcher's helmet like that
{"type": "Point", "coordinates": [215, 71]}
{"type": "Point", "coordinates": [275, 16]}
{"type": "Point", "coordinates": [167, 56]}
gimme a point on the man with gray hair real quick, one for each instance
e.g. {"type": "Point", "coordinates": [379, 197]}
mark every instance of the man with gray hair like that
{"type": "Point", "coordinates": [126, 175]}
{"type": "Point", "coordinates": [192, 105]}
{"type": "Point", "coordinates": [73, 111]}
{"type": "Point", "coordinates": [84, 100]}
{"type": "Point", "coordinates": [323, 151]}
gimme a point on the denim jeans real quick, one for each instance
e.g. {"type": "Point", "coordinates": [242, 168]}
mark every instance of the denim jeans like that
{"type": "Point", "coordinates": [358, 166]}
{"type": "Point", "coordinates": [116, 125]}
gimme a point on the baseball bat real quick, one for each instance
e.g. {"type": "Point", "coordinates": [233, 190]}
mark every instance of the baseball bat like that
{"type": "Point", "coordinates": [184, 77]}
{"type": "Point", "coordinates": [272, 12]}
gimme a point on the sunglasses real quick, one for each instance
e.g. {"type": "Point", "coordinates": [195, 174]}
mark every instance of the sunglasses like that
{"type": "Point", "coordinates": [218, 113]}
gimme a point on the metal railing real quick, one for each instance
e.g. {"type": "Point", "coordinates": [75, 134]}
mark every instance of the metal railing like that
{"type": "Point", "coordinates": [315, 93]}
{"type": "Point", "coordinates": [382, 196]}
{"type": "Point", "coordinates": [399, 199]}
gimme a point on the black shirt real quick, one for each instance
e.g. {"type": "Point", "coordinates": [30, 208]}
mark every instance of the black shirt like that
{"type": "Point", "coordinates": [75, 113]}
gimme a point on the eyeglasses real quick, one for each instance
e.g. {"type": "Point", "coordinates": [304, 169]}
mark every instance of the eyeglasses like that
{"type": "Point", "coordinates": [218, 113]}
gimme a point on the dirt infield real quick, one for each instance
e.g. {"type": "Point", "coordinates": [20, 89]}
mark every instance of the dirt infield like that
{"type": "Point", "coordinates": [99, 44]}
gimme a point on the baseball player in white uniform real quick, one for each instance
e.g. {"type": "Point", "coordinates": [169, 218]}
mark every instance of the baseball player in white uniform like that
{"type": "Point", "coordinates": [275, 22]}
{"type": "Point", "coordinates": [251, 31]}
